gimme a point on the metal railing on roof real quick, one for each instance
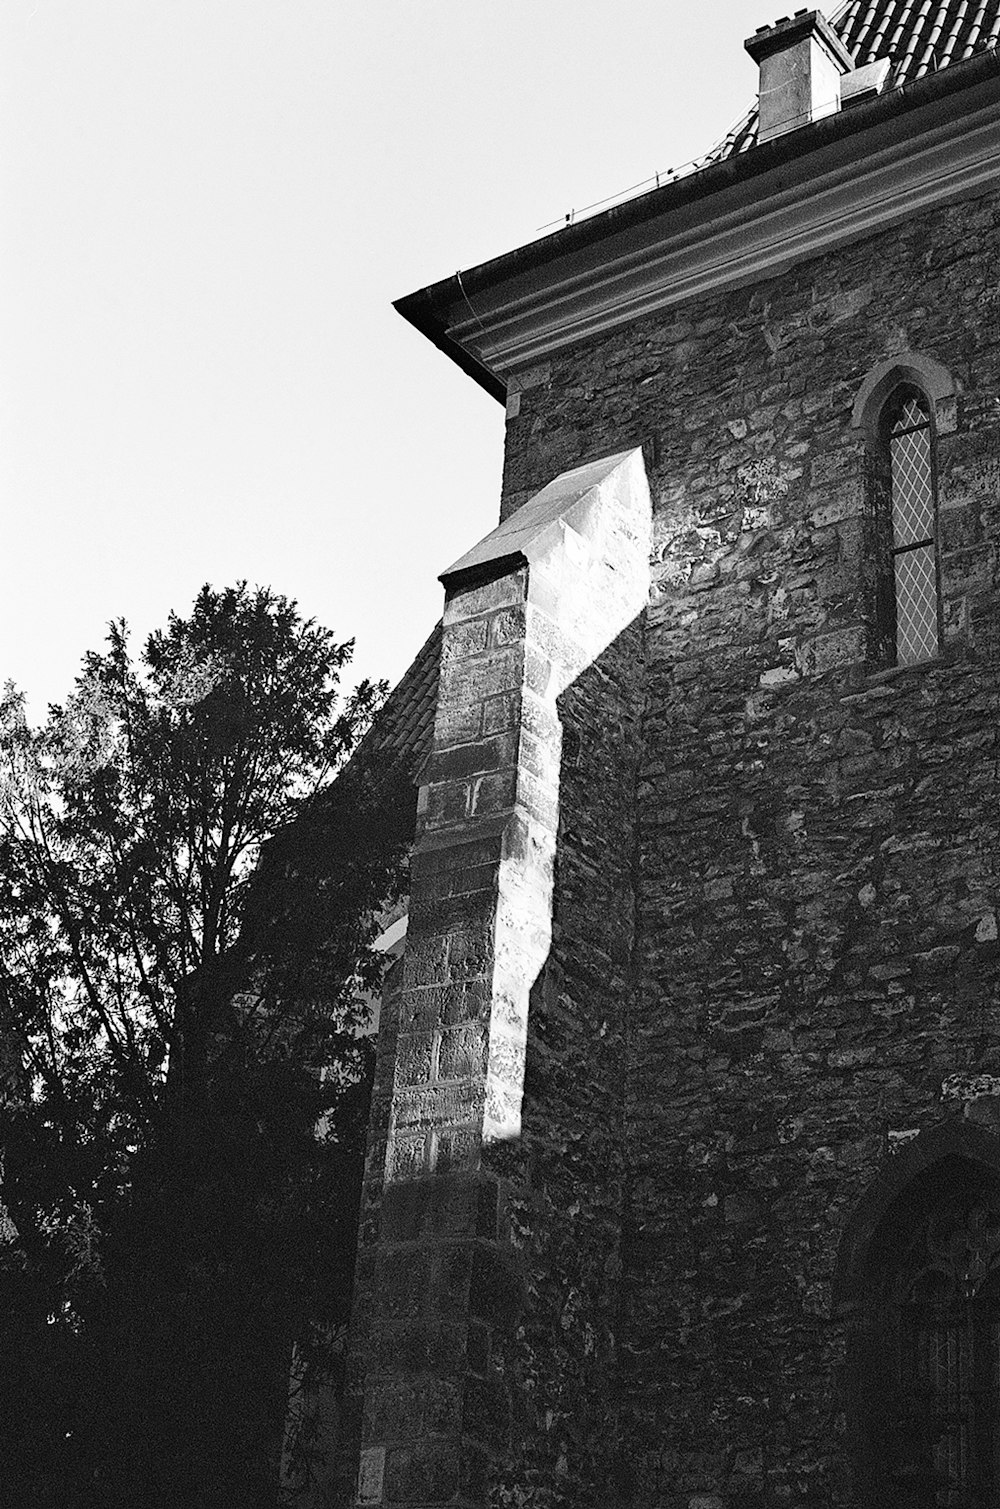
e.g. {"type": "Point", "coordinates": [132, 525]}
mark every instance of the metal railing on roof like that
{"type": "Point", "coordinates": [723, 149]}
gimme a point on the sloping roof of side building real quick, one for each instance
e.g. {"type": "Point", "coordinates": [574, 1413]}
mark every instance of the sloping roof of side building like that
{"type": "Point", "coordinates": [401, 734]}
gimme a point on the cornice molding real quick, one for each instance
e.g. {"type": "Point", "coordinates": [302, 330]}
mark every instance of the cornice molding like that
{"type": "Point", "coordinates": [752, 233]}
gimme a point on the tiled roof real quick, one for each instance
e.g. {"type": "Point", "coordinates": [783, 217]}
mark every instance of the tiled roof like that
{"type": "Point", "coordinates": [919, 36]}
{"type": "Point", "coordinates": [403, 729]}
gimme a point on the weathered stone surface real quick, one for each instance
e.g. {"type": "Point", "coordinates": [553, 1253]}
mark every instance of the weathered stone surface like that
{"type": "Point", "coordinates": [816, 854]}
{"type": "Point", "coordinates": [441, 1282]}
{"type": "Point", "coordinates": [703, 938]}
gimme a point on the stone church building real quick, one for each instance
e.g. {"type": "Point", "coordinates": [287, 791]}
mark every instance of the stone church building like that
{"type": "Point", "coordinates": [683, 1187]}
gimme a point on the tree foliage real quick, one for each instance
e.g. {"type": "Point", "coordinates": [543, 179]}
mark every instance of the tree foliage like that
{"type": "Point", "coordinates": [187, 907]}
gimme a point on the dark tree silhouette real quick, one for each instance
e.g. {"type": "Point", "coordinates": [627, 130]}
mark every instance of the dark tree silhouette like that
{"type": "Point", "coordinates": [188, 900]}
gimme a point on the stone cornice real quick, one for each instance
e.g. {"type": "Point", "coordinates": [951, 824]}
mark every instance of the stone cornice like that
{"type": "Point", "coordinates": [684, 255]}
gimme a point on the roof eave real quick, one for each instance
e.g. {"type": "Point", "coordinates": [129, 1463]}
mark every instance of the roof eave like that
{"type": "Point", "coordinates": [428, 309]}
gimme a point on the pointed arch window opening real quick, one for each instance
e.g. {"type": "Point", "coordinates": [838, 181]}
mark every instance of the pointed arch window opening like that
{"type": "Point", "coordinates": [910, 606]}
{"type": "Point", "coordinates": [946, 1446]}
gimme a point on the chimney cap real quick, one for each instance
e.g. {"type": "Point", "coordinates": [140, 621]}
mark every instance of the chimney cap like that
{"type": "Point", "coordinates": [785, 33]}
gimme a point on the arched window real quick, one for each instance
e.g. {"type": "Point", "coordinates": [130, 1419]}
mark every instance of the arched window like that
{"type": "Point", "coordinates": [902, 406]}
{"type": "Point", "coordinates": [927, 1346]}
{"type": "Point", "coordinates": [948, 1357]}
{"type": "Point", "coordinates": [908, 597]}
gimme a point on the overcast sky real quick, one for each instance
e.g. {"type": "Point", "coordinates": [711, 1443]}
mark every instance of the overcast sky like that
{"type": "Point", "coordinates": [207, 209]}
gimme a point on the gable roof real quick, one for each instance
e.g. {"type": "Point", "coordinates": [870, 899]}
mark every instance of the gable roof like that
{"type": "Point", "coordinates": [918, 36]}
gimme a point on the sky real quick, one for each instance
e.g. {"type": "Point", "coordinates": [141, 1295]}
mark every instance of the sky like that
{"type": "Point", "coordinates": [206, 210]}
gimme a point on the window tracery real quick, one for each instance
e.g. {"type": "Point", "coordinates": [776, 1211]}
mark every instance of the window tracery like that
{"type": "Point", "coordinates": [944, 1434]}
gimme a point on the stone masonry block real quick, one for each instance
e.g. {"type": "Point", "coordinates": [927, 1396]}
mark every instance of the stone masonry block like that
{"type": "Point", "coordinates": [427, 1474]}
{"type": "Point", "coordinates": [467, 1000]}
{"type": "Point", "coordinates": [461, 640]}
{"type": "Point", "coordinates": [969, 571]}
{"type": "Point", "coordinates": [497, 1287]}
{"type": "Point", "coordinates": [507, 626]}
{"type": "Point", "coordinates": [420, 1007]}
{"type": "Point", "coordinates": [539, 799]}
{"type": "Point", "coordinates": [421, 1108]}
{"type": "Point", "coordinates": [545, 588]}
{"type": "Point", "coordinates": [457, 1150]}
{"type": "Point", "coordinates": [470, 953]}
{"type": "Point", "coordinates": [452, 1274]}
{"type": "Point", "coordinates": [551, 638]}
{"type": "Point", "coordinates": [459, 723]}
{"type": "Point", "coordinates": [403, 1279]}
{"type": "Point", "coordinates": [407, 1157]}
{"type": "Point", "coordinates": [826, 652]}
{"type": "Point", "coordinates": [499, 670]}
{"type": "Point", "coordinates": [473, 1479]}
{"type": "Point", "coordinates": [493, 793]}
{"type": "Point", "coordinates": [465, 852]}
{"type": "Point", "coordinates": [462, 1053]}
{"type": "Point", "coordinates": [430, 1006]}
{"type": "Point", "coordinates": [427, 1346]}
{"type": "Point", "coordinates": [486, 1411]}
{"type": "Point", "coordinates": [541, 758]}
{"type": "Point", "coordinates": [473, 758]}
{"type": "Point", "coordinates": [506, 1059]}
{"type": "Point", "coordinates": [507, 589]}
{"type": "Point", "coordinates": [462, 909]}
{"type": "Point", "coordinates": [473, 879]}
{"type": "Point", "coordinates": [501, 712]}
{"type": "Point", "coordinates": [425, 960]}
{"type": "Point", "coordinates": [406, 1408]}
{"type": "Point", "coordinates": [540, 718]}
{"type": "Point", "coordinates": [371, 1475]}
{"type": "Point", "coordinates": [414, 1058]}
{"type": "Point", "coordinates": [959, 527]}
{"type": "Point", "coordinates": [539, 674]}
{"type": "Point", "coordinates": [830, 505]}
{"type": "Point", "coordinates": [447, 804]}
{"type": "Point", "coordinates": [446, 1207]}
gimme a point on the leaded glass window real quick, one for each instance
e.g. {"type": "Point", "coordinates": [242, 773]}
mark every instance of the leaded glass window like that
{"type": "Point", "coordinates": [945, 1435]}
{"type": "Point", "coordinates": [910, 598]}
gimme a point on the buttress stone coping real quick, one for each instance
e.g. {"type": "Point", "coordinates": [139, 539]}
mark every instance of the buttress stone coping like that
{"type": "Point", "coordinates": [521, 535]}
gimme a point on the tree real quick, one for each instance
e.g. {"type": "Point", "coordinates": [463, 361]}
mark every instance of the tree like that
{"type": "Point", "coordinates": [187, 906]}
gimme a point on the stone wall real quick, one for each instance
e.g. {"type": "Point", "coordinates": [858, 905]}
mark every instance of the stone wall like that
{"type": "Point", "coordinates": [569, 1440]}
{"type": "Point", "coordinates": [817, 855]}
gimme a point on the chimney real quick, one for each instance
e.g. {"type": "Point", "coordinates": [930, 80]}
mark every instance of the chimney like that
{"type": "Point", "coordinates": [801, 61]}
